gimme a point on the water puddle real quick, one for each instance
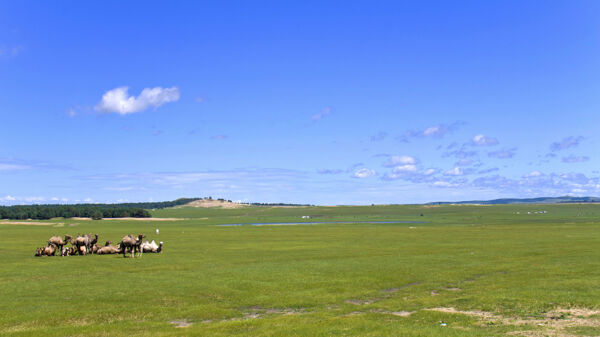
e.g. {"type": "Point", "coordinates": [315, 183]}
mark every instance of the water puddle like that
{"type": "Point", "coordinates": [316, 223]}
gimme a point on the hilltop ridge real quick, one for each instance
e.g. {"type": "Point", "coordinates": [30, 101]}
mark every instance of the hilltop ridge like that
{"type": "Point", "coordinates": [540, 200]}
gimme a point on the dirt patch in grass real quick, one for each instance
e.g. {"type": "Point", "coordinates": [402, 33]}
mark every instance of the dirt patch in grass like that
{"type": "Point", "coordinates": [259, 312]}
{"type": "Point", "coordinates": [362, 302]}
{"type": "Point", "coordinates": [554, 323]}
{"type": "Point", "coordinates": [380, 311]}
{"type": "Point", "coordinates": [475, 313]}
{"type": "Point", "coordinates": [394, 313]}
{"type": "Point", "coordinates": [181, 323]}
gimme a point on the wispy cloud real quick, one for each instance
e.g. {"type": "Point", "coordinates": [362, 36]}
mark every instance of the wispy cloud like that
{"type": "Point", "coordinates": [14, 164]}
{"type": "Point", "coordinates": [379, 136]}
{"type": "Point", "coordinates": [11, 51]}
{"type": "Point", "coordinates": [489, 170]}
{"type": "Point", "coordinates": [483, 140]}
{"type": "Point", "coordinates": [13, 167]}
{"type": "Point", "coordinates": [324, 112]}
{"type": "Point", "coordinates": [503, 154]}
{"type": "Point", "coordinates": [330, 171]}
{"type": "Point", "coordinates": [533, 174]}
{"type": "Point", "coordinates": [28, 200]}
{"type": "Point", "coordinates": [256, 176]}
{"type": "Point", "coordinates": [537, 183]}
{"type": "Point", "coordinates": [77, 110]}
{"type": "Point", "coordinates": [219, 137]}
{"type": "Point", "coordinates": [400, 160]}
{"type": "Point", "coordinates": [349, 169]}
{"type": "Point", "coordinates": [456, 171]}
{"type": "Point", "coordinates": [566, 143]}
{"type": "Point", "coordinates": [575, 159]}
{"type": "Point", "coordinates": [364, 173]}
{"type": "Point", "coordinates": [464, 162]}
{"type": "Point", "coordinates": [438, 131]}
{"type": "Point", "coordinates": [119, 101]}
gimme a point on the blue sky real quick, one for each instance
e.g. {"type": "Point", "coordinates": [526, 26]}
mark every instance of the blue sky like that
{"type": "Point", "coordinates": [307, 102]}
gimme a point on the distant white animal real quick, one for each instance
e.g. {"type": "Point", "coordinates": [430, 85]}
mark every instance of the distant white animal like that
{"type": "Point", "coordinates": [151, 247]}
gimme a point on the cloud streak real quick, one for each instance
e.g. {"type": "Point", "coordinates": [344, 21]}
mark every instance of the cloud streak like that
{"type": "Point", "coordinates": [482, 140]}
{"type": "Point", "coordinates": [436, 131]}
{"type": "Point", "coordinates": [503, 154]}
{"type": "Point", "coordinates": [575, 159]}
{"type": "Point", "coordinates": [566, 143]}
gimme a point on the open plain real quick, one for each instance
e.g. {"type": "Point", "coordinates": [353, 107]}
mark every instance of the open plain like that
{"type": "Point", "coordinates": [518, 270]}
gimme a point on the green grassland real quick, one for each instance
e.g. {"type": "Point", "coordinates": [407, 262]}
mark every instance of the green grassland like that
{"type": "Point", "coordinates": [345, 279]}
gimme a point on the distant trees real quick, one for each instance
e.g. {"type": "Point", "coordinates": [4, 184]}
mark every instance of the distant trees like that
{"type": "Point", "coordinates": [98, 211]}
{"type": "Point", "coordinates": [94, 211]}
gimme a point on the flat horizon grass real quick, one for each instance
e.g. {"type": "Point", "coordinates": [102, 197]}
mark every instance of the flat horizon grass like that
{"type": "Point", "coordinates": [307, 280]}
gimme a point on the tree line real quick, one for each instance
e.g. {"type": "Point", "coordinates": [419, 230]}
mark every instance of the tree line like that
{"type": "Point", "coordinates": [94, 211]}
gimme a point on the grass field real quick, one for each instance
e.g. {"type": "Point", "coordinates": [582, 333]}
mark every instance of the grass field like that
{"type": "Point", "coordinates": [485, 270]}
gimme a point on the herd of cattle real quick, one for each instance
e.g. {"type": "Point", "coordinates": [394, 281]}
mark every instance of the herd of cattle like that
{"type": "Point", "coordinates": [87, 244]}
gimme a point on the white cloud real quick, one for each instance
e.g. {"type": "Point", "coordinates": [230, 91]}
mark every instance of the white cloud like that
{"type": "Point", "coordinates": [533, 174]}
{"type": "Point", "coordinates": [457, 171]}
{"type": "Point", "coordinates": [26, 200]}
{"type": "Point", "coordinates": [482, 140]}
{"type": "Point", "coordinates": [364, 173]}
{"type": "Point", "coordinates": [429, 172]}
{"type": "Point", "coordinates": [118, 100]}
{"type": "Point", "coordinates": [400, 160]}
{"type": "Point", "coordinates": [443, 184]}
{"type": "Point", "coordinates": [405, 168]}
{"type": "Point", "coordinates": [434, 130]}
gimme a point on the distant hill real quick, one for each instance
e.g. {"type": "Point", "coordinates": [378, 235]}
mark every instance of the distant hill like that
{"type": "Point", "coordinates": [542, 200]}
{"type": "Point", "coordinates": [222, 203]}
{"type": "Point", "coordinates": [212, 203]}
